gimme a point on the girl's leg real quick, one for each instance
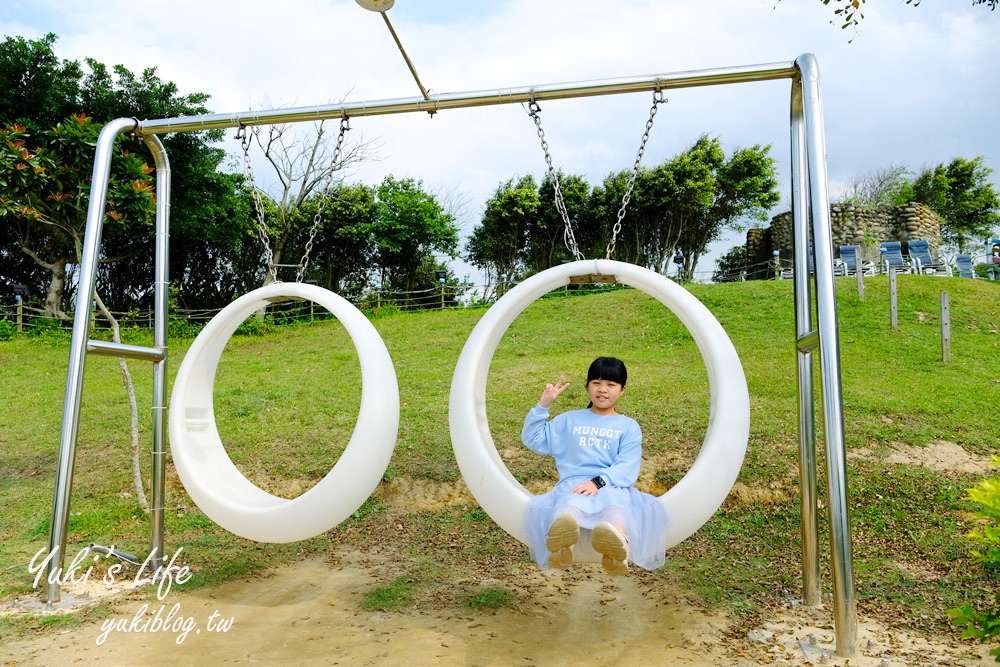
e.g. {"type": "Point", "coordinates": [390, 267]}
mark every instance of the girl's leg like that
{"type": "Point", "coordinates": [608, 539]}
{"type": "Point", "coordinates": [563, 533]}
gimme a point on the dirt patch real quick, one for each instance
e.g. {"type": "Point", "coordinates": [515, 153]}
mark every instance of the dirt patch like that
{"type": "Point", "coordinates": [940, 455]}
{"type": "Point", "coordinates": [310, 613]}
{"type": "Point", "coordinates": [802, 636]}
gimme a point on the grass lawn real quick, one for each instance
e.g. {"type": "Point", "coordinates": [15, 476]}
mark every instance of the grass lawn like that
{"type": "Point", "coordinates": [286, 403]}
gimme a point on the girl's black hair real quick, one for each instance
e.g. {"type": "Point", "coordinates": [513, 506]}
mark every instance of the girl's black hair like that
{"type": "Point", "coordinates": [607, 368]}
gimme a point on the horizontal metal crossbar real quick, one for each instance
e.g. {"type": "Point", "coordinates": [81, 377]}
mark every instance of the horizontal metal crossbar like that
{"type": "Point", "coordinates": [440, 102]}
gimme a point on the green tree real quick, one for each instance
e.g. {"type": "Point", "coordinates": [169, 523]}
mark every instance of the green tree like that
{"type": "Point", "coordinates": [45, 191]}
{"type": "Point", "coordinates": [498, 245]}
{"type": "Point", "coordinates": [640, 222]}
{"type": "Point", "coordinates": [963, 196]}
{"type": "Point", "coordinates": [686, 202]}
{"type": "Point", "coordinates": [38, 87]}
{"type": "Point", "coordinates": [409, 227]}
{"type": "Point", "coordinates": [546, 244]}
{"type": "Point", "coordinates": [344, 249]}
{"type": "Point", "coordinates": [208, 215]}
{"type": "Point", "coordinates": [744, 186]}
{"type": "Point", "coordinates": [732, 266]}
{"type": "Point", "coordinates": [41, 90]}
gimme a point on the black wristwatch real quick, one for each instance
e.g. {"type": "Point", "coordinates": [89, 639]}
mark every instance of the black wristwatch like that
{"type": "Point", "coordinates": [599, 482]}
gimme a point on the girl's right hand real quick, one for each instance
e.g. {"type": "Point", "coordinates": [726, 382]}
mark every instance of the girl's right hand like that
{"type": "Point", "coordinates": [552, 391]}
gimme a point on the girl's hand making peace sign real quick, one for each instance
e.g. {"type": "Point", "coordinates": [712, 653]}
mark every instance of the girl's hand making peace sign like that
{"type": "Point", "coordinates": [552, 391]}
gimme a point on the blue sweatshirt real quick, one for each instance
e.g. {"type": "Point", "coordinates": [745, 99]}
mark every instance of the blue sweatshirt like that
{"type": "Point", "coordinates": [585, 444]}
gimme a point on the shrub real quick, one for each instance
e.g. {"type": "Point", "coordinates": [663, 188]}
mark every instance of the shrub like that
{"type": "Point", "coordinates": [983, 624]}
{"type": "Point", "coordinates": [8, 330]}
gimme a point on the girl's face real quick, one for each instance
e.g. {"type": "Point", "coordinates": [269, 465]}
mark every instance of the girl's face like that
{"type": "Point", "coordinates": [604, 394]}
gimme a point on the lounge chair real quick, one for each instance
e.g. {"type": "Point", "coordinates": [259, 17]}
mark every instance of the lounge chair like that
{"type": "Point", "coordinates": [920, 255]}
{"type": "Point", "coordinates": [964, 263]}
{"type": "Point", "coordinates": [848, 263]}
{"type": "Point", "coordinates": [892, 257]}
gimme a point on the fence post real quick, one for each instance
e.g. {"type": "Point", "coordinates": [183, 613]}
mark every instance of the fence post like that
{"type": "Point", "coordinates": [20, 310]}
{"type": "Point", "coordinates": [861, 281]}
{"type": "Point", "coordinates": [893, 306]}
{"type": "Point", "coordinates": [945, 327]}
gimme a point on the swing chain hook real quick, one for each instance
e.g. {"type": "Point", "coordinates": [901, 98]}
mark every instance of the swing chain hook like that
{"type": "Point", "coordinates": [335, 166]}
{"type": "Point", "coordinates": [258, 202]}
{"type": "Point", "coordinates": [658, 99]}
{"type": "Point", "coordinates": [569, 238]}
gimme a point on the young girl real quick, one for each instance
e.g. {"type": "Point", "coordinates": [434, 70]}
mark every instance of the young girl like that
{"type": "Point", "coordinates": [597, 452]}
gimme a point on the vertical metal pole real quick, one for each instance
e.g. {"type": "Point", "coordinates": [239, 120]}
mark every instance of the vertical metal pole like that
{"type": "Point", "coordinates": [78, 353]}
{"type": "Point", "coordinates": [945, 327]}
{"type": "Point", "coordinates": [844, 601]}
{"type": "Point", "coordinates": [804, 326]}
{"type": "Point", "coordinates": [161, 289]}
{"type": "Point", "coordinates": [893, 305]}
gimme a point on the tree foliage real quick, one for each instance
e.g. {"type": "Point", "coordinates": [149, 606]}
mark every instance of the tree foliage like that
{"type": "Point", "coordinates": [41, 91]}
{"type": "Point", "coordinates": [681, 205]}
{"type": "Point", "coordinates": [849, 12]}
{"type": "Point", "coordinates": [961, 193]}
{"type": "Point", "coordinates": [304, 163]}
{"type": "Point", "coordinates": [38, 88]}
{"type": "Point", "coordinates": [885, 186]}
{"type": "Point", "coordinates": [410, 226]}
{"type": "Point", "coordinates": [344, 248]}
{"type": "Point", "coordinates": [45, 191]}
{"type": "Point", "coordinates": [499, 243]}
{"type": "Point", "coordinates": [982, 621]}
{"type": "Point", "coordinates": [732, 266]}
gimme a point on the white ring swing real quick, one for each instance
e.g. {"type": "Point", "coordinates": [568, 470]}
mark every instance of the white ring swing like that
{"type": "Point", "coordinates": [217, 486]}
{"type": "Point", "coordinates": [696, 497]}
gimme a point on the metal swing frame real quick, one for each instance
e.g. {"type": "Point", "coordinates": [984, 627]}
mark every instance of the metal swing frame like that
{"type": "Point", "coordinates": [810, 213]}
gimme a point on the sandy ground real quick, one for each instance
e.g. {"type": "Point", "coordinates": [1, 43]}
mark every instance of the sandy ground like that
{"type": "Point", "coordinates": [309, 613]}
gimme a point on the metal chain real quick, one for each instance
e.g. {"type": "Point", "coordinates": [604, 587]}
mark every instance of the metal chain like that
{"type": "Point", "coordinates": [258, 203]}
{"type": "Point", "coordinates": [568, 237]}
{"type": "Point", "coordinates": [657, 101]}
{"type": "Point", "coordinates": [324, 195]}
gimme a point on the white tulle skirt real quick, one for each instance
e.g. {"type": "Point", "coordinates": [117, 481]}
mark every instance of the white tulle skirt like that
{"type": "Point", "coordinates": [644, 518]}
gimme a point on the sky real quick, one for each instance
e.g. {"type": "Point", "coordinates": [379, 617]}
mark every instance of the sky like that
{"type": "Point", "coordinates": [911, 86]}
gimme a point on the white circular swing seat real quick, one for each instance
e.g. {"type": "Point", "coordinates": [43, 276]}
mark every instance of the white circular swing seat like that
{"type": "Point", "coordinates": [218, 487]}
{"type": "Point", "coordinates": [689, 503]}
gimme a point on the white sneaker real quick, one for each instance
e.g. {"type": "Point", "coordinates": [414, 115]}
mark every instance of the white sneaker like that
{"type": "Point", "coordinates": [563, 534]}
{"type": "Point", "coordinates": [613, 545]}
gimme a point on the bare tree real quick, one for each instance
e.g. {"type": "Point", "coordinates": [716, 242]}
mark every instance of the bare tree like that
{"type": "Point", "coordinates": [880, 187]}
{"type": "Point", "coordinates": [305, 161]}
